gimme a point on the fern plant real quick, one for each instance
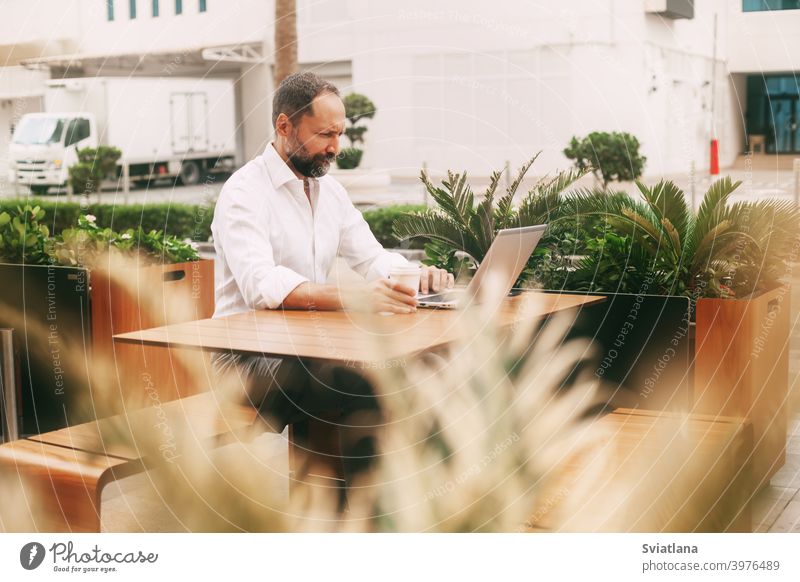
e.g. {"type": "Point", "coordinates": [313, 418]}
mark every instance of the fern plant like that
{"type": "Point", "coordinates": [458, 226]}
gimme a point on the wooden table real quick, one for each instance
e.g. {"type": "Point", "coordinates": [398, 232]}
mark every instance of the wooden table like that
{"type": "Point", "coordinates": [350, 338]}
{"type": "Point", "coordinates": [344, 336]}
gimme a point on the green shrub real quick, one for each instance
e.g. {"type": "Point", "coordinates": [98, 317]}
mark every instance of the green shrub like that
{"type": "Point", "coordinates": [24, 239]}
{"type": "Point", "coordinates": [183, 220]}
{"type": "Point", "coordinates": [381, 222]}
{"type": "Point", "coordinates": [610, 156]}
{"type": "Point", "coordinates": [349, 158]}
{"type": "Point", "coordinates": [179, 220]}
{"type": "Point", "coordinates": [82, 178]}
{"type": "Point", "coordinates": [94, 164]}
{"type": "Point", "coordinates": [23, 236]}
{"type": "Point", "coordinates": [87, 242]}
{"type": "Point", "coordinates": [356, 108]}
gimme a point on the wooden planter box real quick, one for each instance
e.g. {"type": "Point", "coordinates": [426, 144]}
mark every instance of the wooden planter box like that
{"type": "Point", "coordinates": [742, 370]}
{"type": "Point", "coordinates": [156, 295]}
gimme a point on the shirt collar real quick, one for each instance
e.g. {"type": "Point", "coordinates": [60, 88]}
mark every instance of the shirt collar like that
{"type": "Point", "coordinates": [279, 171]}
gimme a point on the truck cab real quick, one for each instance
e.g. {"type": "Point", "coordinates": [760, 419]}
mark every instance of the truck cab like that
{"type": "Point", "coordinates": [44, 146]}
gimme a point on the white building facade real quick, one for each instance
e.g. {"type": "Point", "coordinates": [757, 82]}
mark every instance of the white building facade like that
{"type": "Point", "coordinates": [461, 84]}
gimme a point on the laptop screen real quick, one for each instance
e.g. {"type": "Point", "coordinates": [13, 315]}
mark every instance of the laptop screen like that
{"type": "Point", "coordinates": [506, 259]}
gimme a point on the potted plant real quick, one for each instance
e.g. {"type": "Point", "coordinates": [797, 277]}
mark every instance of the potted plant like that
{"type": "Point", "coordinates": [357, 107]}
{"type": "Point", "coordinates": [725, 262]}
{"type": "Point", "coordinates": [458, 234]}
{"type": "Point", "coordinates": [731, 261]}
{"type": "Point", "coordinates": [83, 298]}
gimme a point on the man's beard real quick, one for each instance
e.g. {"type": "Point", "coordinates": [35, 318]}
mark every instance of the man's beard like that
{"type": "Point", "coordinates": [310, 166]}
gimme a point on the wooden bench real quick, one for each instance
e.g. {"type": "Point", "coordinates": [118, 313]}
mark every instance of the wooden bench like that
{"type": "Point", "coordinates": [66, 469]}
{"type": "Point", "coordinates": [633, 465]}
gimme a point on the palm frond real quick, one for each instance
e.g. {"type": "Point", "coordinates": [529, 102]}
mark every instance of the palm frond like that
{"type": "Point", "coordinates": [673, 234]}
{"type": "Point", "coordinates": [638, 228]}
{"type": "Point", "coordinates": [435, 226]}
{"type": "Point", "coordinates": [560, 182]}
{"type": "Point", "coordinates": [461, 193]}
{"type": "Point", "coordinates": [494, 180]}
{"type": "Point", "coordinates": [505, 206]}
{"type": "Point", "coordinates": [711, 211]}
{"type": "Point", "coordinates": [536, 209]}
{"type": "Point", "coordinates": [482, 225]}
{"type": "Point", "coordinates": [668, 202]}
{"type": "Point", "coordinates": [512, 188]}
{"type": "Point", "coordinates": [443, 199]}
{"type": "Point", "coordinates": [584, 201]}
{"type": "Point", "coordinates": [774, 223]}
{"type": "Point", "coordinates": [723, 243]}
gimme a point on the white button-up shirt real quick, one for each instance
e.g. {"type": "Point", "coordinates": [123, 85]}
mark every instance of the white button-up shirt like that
{"type": "Point", "coordinates": [269, 239]}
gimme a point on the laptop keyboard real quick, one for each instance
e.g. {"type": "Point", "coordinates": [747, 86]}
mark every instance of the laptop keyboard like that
{"type": "Point", "coordinates": [440, 297]}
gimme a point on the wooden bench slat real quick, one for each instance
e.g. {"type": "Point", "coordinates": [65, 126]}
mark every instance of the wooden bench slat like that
{"type": "Point", "coordinates": [206, 415]}
{"type": "Point", "coordinates": [67, 468]}
{"type": "Point", "coordinates": [64, 483]}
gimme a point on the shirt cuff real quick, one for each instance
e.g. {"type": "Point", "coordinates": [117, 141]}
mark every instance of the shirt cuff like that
{"type": "Point", "coordinates": [280, 282]}
{"type": "Point", "coordinates": [381, 266]}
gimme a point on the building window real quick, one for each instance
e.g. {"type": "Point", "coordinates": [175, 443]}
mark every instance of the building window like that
{"type": "Point", "coordinates": [178, 6]}
{"type": "Point", "coordinates": [762, 5]}
{"type": "Point", "coordinates": [110, 10]}
{"type": "Point", "coordinates": [202, 5]}
{"type": "Point", "coordinates": [155, 8]}
{"type": "Point", "coordinates": [132, 5]}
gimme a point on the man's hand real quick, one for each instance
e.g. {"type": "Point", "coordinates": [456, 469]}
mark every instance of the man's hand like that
{"type": "Point", "coordinates": [434, 280]}
{"type": "Point", "coordinates": [382, 295]}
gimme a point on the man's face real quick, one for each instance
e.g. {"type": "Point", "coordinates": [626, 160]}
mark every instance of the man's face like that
{"type": "Point", "coordinates": [312, 143]}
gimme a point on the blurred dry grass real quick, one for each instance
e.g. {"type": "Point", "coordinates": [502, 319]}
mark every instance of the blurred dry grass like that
{"type": "Point", "coordinates": [472, 442]}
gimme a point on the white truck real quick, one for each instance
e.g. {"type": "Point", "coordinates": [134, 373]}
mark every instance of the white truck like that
{"type": "Point", "coordinates": [165, 127]}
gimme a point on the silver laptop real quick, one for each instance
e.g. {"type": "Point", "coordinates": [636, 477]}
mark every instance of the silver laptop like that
{"type": "Point", "coordinates": [508, 255]}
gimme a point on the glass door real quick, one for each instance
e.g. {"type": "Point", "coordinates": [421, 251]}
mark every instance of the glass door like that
{"type": "Point", "coordinates": [773, 111]}
{"type": "Point", "coordinates": [782, 134]}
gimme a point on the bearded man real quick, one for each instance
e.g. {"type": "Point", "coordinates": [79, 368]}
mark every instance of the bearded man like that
{"type": "Point", "coordinates": [279, 224]}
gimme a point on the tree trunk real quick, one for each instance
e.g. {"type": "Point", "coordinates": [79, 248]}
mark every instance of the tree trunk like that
{"type": "Point", "coordinates": [285, 39]}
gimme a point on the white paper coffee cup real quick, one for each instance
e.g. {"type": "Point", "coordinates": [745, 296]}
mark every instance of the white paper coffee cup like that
{"type": "Point", "coordinates": [408, 275]}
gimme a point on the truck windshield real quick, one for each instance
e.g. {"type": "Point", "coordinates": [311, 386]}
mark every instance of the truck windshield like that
{"type": "Point", "coordinates": [39, 130]}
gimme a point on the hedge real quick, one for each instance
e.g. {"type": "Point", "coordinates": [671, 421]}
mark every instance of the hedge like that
{"type": "Point", "coordinates": [192, 221]}
{"type": "Point", "coordinates": [381, 220]}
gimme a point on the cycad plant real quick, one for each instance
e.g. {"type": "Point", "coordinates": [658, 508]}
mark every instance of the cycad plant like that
{"type": "Point", "coordinates": [658, 245]}
{"type": "Point", "coordinates": [458, 225]}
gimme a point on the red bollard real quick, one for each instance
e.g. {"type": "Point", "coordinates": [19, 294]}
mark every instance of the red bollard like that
{"type": "Point", "coordinates": [714, 157]}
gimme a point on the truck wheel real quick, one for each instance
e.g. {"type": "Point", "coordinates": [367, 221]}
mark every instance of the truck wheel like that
{"type": "Point", "coordinates": [189, 174]}
{"type": "Point", "coordinates": [39, 190]}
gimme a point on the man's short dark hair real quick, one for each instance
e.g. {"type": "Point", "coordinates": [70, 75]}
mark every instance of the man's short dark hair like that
{"type": "Point", "coordinates": [295, 94]}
